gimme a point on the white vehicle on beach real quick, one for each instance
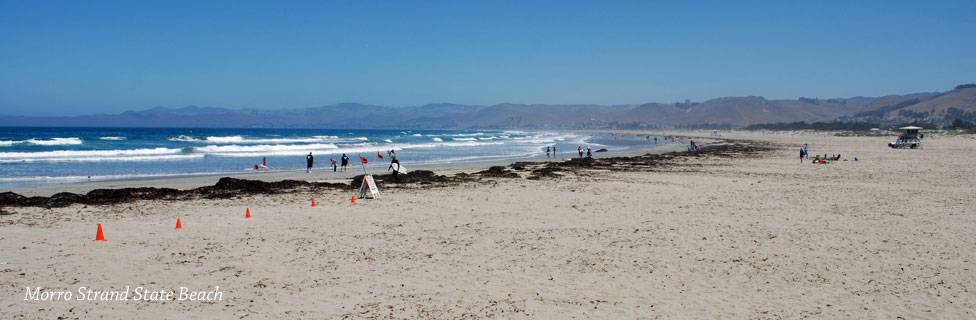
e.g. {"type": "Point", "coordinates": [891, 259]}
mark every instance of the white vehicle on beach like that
{"type": "Point", "coordinates": [910, 139]}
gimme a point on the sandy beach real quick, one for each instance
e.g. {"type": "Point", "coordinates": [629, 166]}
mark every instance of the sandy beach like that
{"type": "Point", "coordinates": [753, 235]}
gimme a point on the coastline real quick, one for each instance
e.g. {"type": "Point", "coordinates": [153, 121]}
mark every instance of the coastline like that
{"type": "Point", "coordinates": [321, 174]}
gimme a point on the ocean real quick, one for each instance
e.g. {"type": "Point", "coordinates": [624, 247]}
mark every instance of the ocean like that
{"type": "Point", "coordinates": [41, 156]}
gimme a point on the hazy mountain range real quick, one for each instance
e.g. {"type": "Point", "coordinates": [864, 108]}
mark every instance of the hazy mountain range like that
{"type": "Point", "coordinates": [959, 103]}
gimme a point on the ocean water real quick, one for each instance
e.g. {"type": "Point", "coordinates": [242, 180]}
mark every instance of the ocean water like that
{"type": "Point", "coordinates": [39, 156]}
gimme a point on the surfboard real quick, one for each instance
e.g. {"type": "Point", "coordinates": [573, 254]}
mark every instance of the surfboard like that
{"type": "Point", "coordinates": [398, 168]}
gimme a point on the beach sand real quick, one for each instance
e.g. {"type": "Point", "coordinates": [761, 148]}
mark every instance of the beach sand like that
{"type": "Point", "coordinates": [757, 236]}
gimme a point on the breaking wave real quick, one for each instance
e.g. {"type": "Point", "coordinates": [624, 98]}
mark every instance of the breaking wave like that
{"type": "Point", "coordinates": [244, 140]}
{"type": "Point", "coordinates": [43, 142]}
{"type": "Point", "coordinates": [239, 146]}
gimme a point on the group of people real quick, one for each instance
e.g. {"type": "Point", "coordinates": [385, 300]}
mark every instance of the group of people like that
{"type": "Point", "coordinates": [589, 151]}
{"type": "Point", "coordinates": [343, 163]}
{"type": "Point", "coordinates": [310, 162]}
{"type": "Point", "coordinates": [263, 165]}
{"type": "Point", "coordinates": [648, 138]}
{"type": "Point", "coordinates": [818, 158]}
{"type": "Point", "coordinates": [552, 149]}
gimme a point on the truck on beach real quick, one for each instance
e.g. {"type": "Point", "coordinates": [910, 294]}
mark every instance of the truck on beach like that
{"type": "Point", "coordinates": [910, 139]}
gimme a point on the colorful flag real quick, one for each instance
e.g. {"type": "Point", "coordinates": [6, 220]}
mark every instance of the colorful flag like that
{"type": "Point", "coordinates": [363, 159]}
{"type": "Point", "coordinates": [378, 155]}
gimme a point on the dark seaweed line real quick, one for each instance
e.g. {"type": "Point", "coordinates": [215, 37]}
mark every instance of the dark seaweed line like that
{"type": "Point", "coordinates": [230, 187]}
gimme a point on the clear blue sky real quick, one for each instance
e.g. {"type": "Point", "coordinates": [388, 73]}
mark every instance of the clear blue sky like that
{"type": "Point", "coordinates": [81, 57]}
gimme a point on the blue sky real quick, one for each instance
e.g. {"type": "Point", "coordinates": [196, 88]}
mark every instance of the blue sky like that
{"type": "Point", "coordinates": [82, 57]}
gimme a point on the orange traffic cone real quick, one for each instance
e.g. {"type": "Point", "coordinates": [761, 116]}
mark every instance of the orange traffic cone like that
{"type": "Point", "coordinates": [353, 199]}
{"type": "Point", "coordinates": [248, 216]}
{"type": "Point", "coordinates": [313, 202]}
{"type": "Point", "coordinates": [99, 236]}
{"type": "Point", "coordinates": [178, 224]}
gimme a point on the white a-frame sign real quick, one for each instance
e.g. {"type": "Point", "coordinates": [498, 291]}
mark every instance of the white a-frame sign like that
{"type": "Point", "coordinates": [368, 184]}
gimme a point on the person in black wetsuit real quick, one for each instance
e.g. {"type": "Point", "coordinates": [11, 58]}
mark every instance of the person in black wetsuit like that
{"type": "Point", "coordinates": [396, 170]}
{"type": "Point", "coordinates": [345, 162]}
{"type": "Point", "coordinates": [309, 160]}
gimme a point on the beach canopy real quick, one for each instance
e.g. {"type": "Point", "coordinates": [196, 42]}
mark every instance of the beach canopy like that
{"type": "Point", "coordinates": [910, 128]}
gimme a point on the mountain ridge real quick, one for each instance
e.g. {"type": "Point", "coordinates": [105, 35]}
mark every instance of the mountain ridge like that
{"type": "Point", "coordinates": [958, 103]}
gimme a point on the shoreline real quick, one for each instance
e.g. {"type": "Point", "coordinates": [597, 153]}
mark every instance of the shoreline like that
{"type": "Point", "coordinates": [317, 176]}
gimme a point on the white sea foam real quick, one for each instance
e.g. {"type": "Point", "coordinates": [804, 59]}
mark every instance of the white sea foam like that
{"type": "Point", "coordinates": [7, 143]}
{"type": "Point", "coordinates": [184, 138]}
{"type": "Point", "coordinates": [244, 140]}
{"type": "Point", "coordinates": [361, 148]}
{"type": "Point", "coordinates": [69, 179]}
{"type": "Point", "coordinates": [450, 144]}
{"type": "Point", "coordinates": [549, 137]}
{"type": "Point", "coordinates": [270, 148]}
{"type": "Point", "coordinates": [515, 154]}
{"type": "Point", "coordinates": [355, 146]}
{"type": "Point", "coordinates": [112, 138]}
{"type": "Point", "coordinates": [157, 154]}
{"type": "Point", "coordinates": [54, 141]}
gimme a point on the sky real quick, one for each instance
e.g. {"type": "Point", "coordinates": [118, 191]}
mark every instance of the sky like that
{"type": "Point", "coordinates": [86, 57]}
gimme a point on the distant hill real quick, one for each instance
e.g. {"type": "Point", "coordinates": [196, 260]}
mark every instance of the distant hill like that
{"type": "Point", "coordinates": [959, 103]}
{"type": "Point", "coordinates": [883, 105]}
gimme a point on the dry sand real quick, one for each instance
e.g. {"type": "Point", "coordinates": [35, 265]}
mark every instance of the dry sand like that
{"type": "Point", "coordinates": [755, 237]}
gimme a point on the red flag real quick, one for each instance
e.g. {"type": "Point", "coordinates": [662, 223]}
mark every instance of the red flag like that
{"type": "Point", "coordinates": [378, 155]}
{"type": "Point", "coordinates": [363, 159]}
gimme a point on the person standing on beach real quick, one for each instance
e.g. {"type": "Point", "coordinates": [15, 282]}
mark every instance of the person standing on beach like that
{"type": "Point", "coordinates": [580, 150]}
{"type": "Point", "coordinates": [655, 140]}
{"type": "Point", "coordinates": [334, 165]}
{"type": "Point", "coordinates": [309, 160]}
{"type": "Point", "coordinates": [395, 169]}
{"type": "Point", "coordinates": [553, 152]}
{"type": "Point", "coordinates": [589, 152]}
{"type": "Point", "coordinates": [801, 155]}
{"type": "Point", "coordinates": [264, 161]}
{"type": "Point", "coordinates": [345, 162]}
{"type": "Point", "coordinates": [547, 151]}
